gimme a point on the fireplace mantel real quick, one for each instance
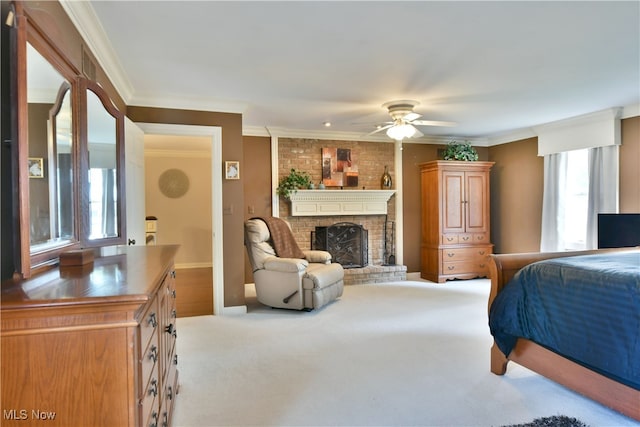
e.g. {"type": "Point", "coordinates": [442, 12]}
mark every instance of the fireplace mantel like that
{"type": "Point", "coordinates": [339, 202]}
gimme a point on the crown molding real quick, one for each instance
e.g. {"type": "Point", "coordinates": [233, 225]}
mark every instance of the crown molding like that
{"type": "Point", "coordinates": [630, 111]}
{"type": "Point", "coordinates": [190, 104]}
{"type": "Point", "coordinates": [597, 116]}
{"type": "Point", "coordinates": [282, 132]}
{"type": "Point", "coordinates": [90, 28]}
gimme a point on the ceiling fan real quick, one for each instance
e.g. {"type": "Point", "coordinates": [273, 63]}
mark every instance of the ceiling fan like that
{"type": "Point", "coordinates": [405, 121]}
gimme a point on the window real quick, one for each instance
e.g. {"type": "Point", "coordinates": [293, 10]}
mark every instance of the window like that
{"type": "Point", "coordinates": [575, 196]}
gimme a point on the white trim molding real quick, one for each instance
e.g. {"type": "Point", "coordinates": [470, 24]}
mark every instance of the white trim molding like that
{"type": "Point", "coordinates": [598, 129]}
{"type": "Point", "coordinates": [339, 202]}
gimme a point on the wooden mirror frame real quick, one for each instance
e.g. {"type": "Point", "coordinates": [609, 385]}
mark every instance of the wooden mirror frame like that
{"type": "Point", "coordinates": [26, 263]}
{"type": "Point", "coordinates": [84, 214]}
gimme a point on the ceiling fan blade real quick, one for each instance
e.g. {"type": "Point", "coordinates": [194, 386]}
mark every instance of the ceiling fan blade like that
{"type": "Point", "coordinates": [409, 117]}
{"type": "Point", "coordinates": [418, 134]}
{"type": "Point", "coordinates": [379, 129]}
{"type": "Point", "coordinates": [432, 123]}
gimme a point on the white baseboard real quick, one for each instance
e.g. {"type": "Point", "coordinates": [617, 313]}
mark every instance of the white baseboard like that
{"type": "Point", "coordinates": [234, 310]}
{"type": "Point", "coordinates": [187, 265]}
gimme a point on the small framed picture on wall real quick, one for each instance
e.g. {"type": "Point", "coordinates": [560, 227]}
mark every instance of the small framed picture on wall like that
{"type": "Point", "coordinates": [36, 167]}
{"type": "Point", "coordinates": [232, 169]}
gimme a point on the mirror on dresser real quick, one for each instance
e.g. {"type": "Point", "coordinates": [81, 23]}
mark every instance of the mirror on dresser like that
{"type": "Point", "coordinates": [46, 155]}
{"type": "Point", "coordinates": [70, 157]}
{"type": "Point", "coordinates": [103, 188]}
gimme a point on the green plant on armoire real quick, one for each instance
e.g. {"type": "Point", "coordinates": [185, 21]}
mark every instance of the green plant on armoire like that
{"type": "Point", "coordinates": [460, 151]}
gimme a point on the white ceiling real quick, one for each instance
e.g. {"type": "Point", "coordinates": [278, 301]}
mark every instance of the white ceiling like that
{"type": "Point", "coordinates": [495, 68]}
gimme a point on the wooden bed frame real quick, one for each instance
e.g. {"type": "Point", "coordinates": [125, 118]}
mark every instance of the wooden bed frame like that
{"type": "Point", "coordinates": [613, 394]}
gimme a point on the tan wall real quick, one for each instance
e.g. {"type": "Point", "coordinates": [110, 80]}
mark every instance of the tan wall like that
{"type": "Point", "coordinates": [516, 196]}
{"type": "Point", "coordinates": [517, 184]}
{"type": "Point", "coordinates": [412, 156]}
{"type": "Point", "coordinates": [232, 190]}
{"type": "Point", "coordinates": [186, 220]}
{"type": "Point", "coordinates": [256, 174]}
{"type": "Point", "coordinates": [630, 166]}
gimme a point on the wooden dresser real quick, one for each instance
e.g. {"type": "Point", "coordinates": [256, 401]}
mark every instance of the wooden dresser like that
{"type": "Point", "coordinates": [455, 242]}
{"type": "Point", "coordinates": [92, 346]}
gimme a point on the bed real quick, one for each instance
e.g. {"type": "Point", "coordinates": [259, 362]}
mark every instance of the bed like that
{"type": "Point", "coordinates": [539, 320]}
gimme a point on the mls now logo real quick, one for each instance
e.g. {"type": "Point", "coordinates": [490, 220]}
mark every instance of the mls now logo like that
{"type": "Point", "coordinates": [23, 414]}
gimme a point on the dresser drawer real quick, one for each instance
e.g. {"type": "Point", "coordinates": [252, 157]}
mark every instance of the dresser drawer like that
{"type": "Point", "coordinates": [149, 362]}
{"type": "Point", "coordinates": [149, 323]}
{"type": "Point", "coordinates": [150, 402]}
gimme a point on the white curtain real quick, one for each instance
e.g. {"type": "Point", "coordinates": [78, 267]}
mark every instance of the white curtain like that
{"type": "Point", "coordinates": [603, 188]}
{"type": "Point", "coordinates": [555, 167]}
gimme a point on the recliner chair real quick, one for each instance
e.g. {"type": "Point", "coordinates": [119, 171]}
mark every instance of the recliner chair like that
{"type": "Point", "coordinates": [286, 282]}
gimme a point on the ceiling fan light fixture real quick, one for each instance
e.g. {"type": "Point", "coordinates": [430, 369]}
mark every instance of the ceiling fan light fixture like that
{"type": "Point", "coordinates": [401, 131]}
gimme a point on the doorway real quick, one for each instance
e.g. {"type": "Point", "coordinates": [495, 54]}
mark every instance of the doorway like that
{"type": "Point", "coordinates": [213, 135]}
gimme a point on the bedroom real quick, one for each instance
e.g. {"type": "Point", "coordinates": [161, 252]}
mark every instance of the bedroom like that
{"type": "Point", "coordinates": [506, 234]}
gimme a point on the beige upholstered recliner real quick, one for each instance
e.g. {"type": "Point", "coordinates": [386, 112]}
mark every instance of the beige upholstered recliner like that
{"type": "Point", "coordinates": [306, 282]}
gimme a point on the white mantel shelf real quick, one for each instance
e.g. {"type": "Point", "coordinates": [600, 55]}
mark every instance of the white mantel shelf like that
{"type": "Point", "coordinates": [339, 202]}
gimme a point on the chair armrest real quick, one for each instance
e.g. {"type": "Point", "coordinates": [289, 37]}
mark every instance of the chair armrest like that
{"type": "Point", "coordinates": [286, 265]}
{"type": "Point", "coordinates": [322, 257]}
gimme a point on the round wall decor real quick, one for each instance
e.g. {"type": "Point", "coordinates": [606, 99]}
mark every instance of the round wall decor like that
{"type": "Point", "coordinates": [173, 183]}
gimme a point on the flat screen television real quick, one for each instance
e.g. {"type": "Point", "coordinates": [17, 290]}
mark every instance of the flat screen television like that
{"type": "Point", "coordinates": [618, 230]}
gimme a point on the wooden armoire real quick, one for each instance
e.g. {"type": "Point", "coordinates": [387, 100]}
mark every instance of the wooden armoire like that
{"type": "Point", "coordinates": [455, 242]}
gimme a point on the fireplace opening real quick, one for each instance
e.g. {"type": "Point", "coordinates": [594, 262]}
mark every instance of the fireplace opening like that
{"type": "Point", "coordinates": [347, 243]}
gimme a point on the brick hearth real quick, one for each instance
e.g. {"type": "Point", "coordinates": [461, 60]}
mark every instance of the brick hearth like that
{"type": "Point", "coordinates": [375, 274]}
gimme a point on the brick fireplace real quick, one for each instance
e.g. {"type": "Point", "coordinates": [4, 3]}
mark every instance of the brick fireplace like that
{"type": "Point", "coordinates": [374, 216]}
{"type": "Point", "coordinates": [305, 155]}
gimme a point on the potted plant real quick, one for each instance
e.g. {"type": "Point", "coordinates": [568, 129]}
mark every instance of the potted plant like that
{"type": "Point", "coordinates": [293, 182]}
{"type": "Point", "coordinates": [460, 151]}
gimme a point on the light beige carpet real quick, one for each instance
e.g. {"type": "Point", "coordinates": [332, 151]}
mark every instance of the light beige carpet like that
{"type": "Point", "coordinates": [404, 354]}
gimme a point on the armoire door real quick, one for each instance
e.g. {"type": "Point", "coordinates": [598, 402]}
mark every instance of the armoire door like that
{"type": "Point", "coordinates": [453, 212]}
{"type": "Point", "coordinates": [476, 202]}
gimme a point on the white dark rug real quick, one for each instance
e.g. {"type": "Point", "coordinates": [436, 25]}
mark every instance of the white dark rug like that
{"type": "Point", "coordinates": [555, 421]}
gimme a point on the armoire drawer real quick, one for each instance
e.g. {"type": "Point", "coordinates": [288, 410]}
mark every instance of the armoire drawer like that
{"type": "Point", "coordinates": [479, 253]}
{"type": "Point", "coordinates": [462, 267]}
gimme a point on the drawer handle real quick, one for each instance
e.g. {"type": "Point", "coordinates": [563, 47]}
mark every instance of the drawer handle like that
{"type": "Point", "coordinates": [481, 252]}
{"type": "Point", "coordinates": [481, 265]}
{"type": "Point", "coordinates": [451, 267]}
{"type": "Point", "coordinates": [153, 353]}
{"type": "Point", "coordinates": [154, 387]}
{"type": "Point", "coordinates": [450, 254]}
{"type": "Point", "coordinates": [154, 418]}
{"type": "Point", "coordinates": [173, 274]}
{"type": "Point", "coordinates": [450, 239]}
{"type": "Point", "coordinates": [153, 321]}
{"type": "Point", "coordinates": [173, 293]}
{"type": "Point", "coordinates": [171, 330]}
{"type": "Point", "coordinates": [480, 237]}
{"type": "Point", "coordinates": [174, 313]}
{"type": "Point", "coordinates": [465, 238]}
{"type": "Point", "coordinates": [170, 393]}
{"type": "Point", "coordinates": [165, 419]}
{"type": "Point", "coordinates": [175, 359]}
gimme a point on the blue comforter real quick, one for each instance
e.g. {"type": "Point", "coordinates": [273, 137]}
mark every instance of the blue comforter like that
{"type": "Point", "coordinates": [585, 308]}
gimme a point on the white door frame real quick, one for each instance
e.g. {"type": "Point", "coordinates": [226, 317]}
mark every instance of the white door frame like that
{"type": "Point", "coordinates": [215, 133]}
